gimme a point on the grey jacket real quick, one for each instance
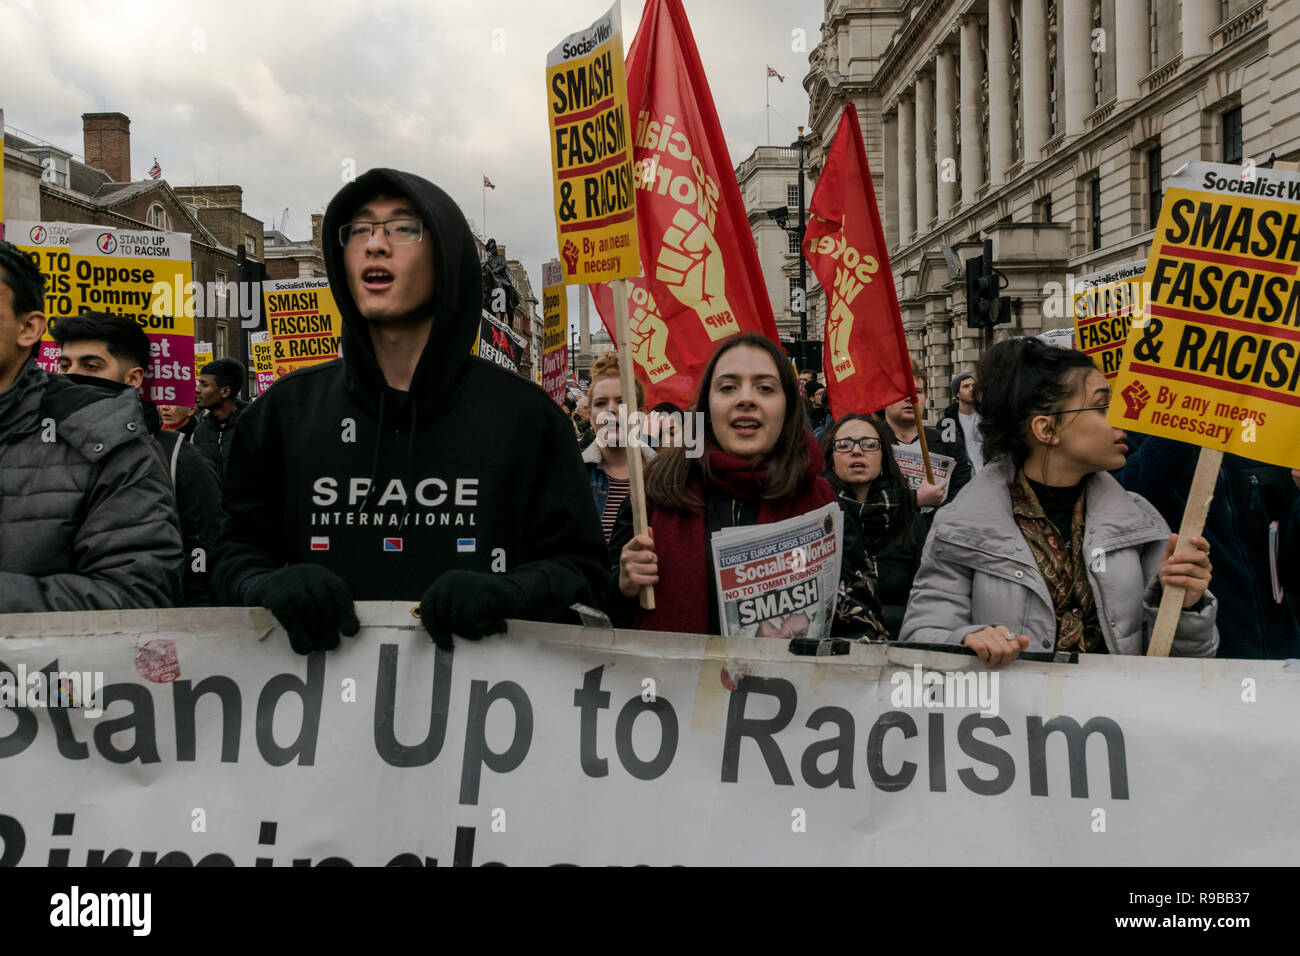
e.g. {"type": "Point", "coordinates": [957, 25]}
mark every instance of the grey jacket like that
{"type": "Point", "coordinates": [977, 570]}
{"type": "Point", "coordinates": [87, 516]}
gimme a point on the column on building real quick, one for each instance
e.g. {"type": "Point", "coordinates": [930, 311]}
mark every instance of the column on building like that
{"type": "Point", "coordinates": [1075, 53]}
{"type": "Point", "coordinates": [890, 131]}
{"type": "Point", "coordinates": [1132, 50]}
{"type": "Point", "coordinates": [972, 131]}
{"type": "Point", "coordinates": [1033, 77]}
{"type": "Point", "coordinates": [1000, 151]}
{"type": "Point", "coordinates": [1199, 18]}
{"type": "Point", "coordinates": [945, 143]}
{"type": "Point", "coordinates": [924, 152]}
{"type": "Point", "coordinates": [906, 168]}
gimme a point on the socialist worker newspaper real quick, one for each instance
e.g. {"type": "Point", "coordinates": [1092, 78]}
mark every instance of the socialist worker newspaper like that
{"type": "Point", "coordinates": [780, 579]}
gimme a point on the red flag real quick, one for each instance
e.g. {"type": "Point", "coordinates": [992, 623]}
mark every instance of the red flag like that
{"type": "Point", "coordinates": [865, 350]}
{"type": "Point", "coordinates": [701, 279]}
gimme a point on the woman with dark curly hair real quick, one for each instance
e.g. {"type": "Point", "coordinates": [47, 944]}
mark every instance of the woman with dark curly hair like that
{"type": "Point", "coordinates": [875, 497]}
{"type": "Point", "coordinates": [760, 465]}
{"type": "Point", "coordinates": [1044, 549]}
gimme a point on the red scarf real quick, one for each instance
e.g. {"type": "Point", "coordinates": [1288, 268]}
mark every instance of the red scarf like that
{"type": "Point", "coordinates": [681, 537]}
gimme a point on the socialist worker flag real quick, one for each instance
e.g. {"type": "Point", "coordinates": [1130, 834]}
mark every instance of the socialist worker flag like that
{"type": "Point", "coordinates": [700, 276]}
{"type": "Point", "coordinates": [864, 354]}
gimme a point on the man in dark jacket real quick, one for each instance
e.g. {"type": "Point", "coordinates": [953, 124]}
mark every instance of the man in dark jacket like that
{"type": "Point", "coordinates": [1250, 498]}
{"type": "Point", "coordinates": [102, 348]}
{"type": "Point", "coordinates": [407, 469]}
{"type": "Point", "coordinates": [961, 421]}
{"type": "Point", "coordinates": [87, 516]}
{"type": "Point", "coordinates": [903, 420]}
{"type": "Point", "coordinates": [217, 392]}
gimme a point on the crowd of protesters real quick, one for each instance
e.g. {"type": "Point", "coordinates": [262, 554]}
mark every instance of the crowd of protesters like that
{"type": "Point", "coordinates": [410, 470]}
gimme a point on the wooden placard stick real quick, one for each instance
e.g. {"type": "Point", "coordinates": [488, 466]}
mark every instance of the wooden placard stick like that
{"type": "Point", "coordinates": [1193, 523]}
{"type": "Point", "coordinates": [635, 472]}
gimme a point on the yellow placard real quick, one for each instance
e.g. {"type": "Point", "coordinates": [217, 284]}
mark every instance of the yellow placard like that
{"type": "Point", "coordinates": [46, 244]}
{"type": "Point", "coordinates": [591, 154]}
{"type": "Point", "coordinates": [202, 356]}
{"type": "Point", "coordinates": [1215, 359]}
{"type": "Point", "coordinates": [143, 274]}
{"type": "Point", "coordinates": [1105, 304]}
{"type": "Point", "coordinates": [555, 325]}
{"type": "Point", "coordinates": [303, 321]}
{"type": "Point", "coordinates": [263, 364]}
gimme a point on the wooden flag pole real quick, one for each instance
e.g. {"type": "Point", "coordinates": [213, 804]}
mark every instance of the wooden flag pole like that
{"type": "Point", "coordinates": [635, 475]}
{"type": "Point", "coordinates": [1198, 504]}
{"type": "Point", "coordinates": [925, 446]}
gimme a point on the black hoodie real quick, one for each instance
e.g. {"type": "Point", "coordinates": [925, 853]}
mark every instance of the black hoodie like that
{"type": "Point", "coordinates": [474, 468]}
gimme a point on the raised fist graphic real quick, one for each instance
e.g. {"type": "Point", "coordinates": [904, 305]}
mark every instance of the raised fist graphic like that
{"type": "Point", "coordinates": [649, 336]}
{"type": "Point", "coordinates": [570, 253]}
{"type": "Point", "coordinates": [1135, 399]}
{"type": "Point", "coordinates": [690, 264]}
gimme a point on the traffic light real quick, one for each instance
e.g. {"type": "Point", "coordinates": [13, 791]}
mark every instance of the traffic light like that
{"type": "Point", "coordinates": [984, 307]}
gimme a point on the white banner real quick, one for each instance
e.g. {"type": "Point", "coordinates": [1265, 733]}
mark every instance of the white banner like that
{"type": "Point", "coordinates": [553, 744]}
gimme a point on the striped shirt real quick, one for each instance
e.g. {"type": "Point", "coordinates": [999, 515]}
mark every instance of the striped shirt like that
{"type": "Point", "coordinates": [618, 489]}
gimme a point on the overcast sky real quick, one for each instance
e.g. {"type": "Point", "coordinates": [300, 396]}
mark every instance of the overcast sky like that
{"type": "Point", "coordinates": [274, 95]}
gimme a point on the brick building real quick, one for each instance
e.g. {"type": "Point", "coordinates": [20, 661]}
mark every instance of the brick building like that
{"type": "Point", "coordinates": [49, 184]}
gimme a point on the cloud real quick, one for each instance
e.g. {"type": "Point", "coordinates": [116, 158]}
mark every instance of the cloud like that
{"type": "Point", "coordinates": [274, 96]}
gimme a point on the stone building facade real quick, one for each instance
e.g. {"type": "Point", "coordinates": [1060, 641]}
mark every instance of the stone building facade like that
{"type": "Point", "coordinates": [769, 179]}
{"type": "Point", "coordinates": [1048, 126]}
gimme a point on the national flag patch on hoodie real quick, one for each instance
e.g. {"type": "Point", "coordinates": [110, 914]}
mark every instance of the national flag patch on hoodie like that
{"type": "Point", "coordinates": [466, 544]}
{"type": "Point", "coordinates": [320, 544]}
{"type": "Point", "coordinates": [392, 544]}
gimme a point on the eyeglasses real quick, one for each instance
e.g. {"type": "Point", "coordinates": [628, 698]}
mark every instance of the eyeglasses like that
{"type": "Point", "coordinates": [398, 230]}
{"type": "Point", "coordinates": [1087, 408]}
{"type": "Point", "coordinates": [845, 445]}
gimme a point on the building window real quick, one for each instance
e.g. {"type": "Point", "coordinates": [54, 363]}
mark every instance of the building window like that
{"type": "Point", "coordinates": [1223, 10]}
{"type": "Point", "coordinates": [1096, 53]}
{"type": "Point", "coordinates": [792, 244]}
{"type": "Point", "coordinates": [250, 245]}
{"type": "Point", "coordinates": [792, 196]}
{"type": "Point", "coordinates": [1232, 136]}
{"type": "Point", "coordinates": [157, 217]}
{"type": "Point", "coordinates": [1094, 188]}
{"type": "Point", "coordinates": [794, 289]}
{"type": "Point", "coordinates": [219, 345]}
{"type": "Point", "coordinates": [1016, 104]}
{"type": "Point", "coordinates": [1154, 33]}
{"type": "Point", "coordinates": [1045, 209]}
{"type": "Point", "coordinates": [1053, 112]}
{"type": "Point", "coordinates": [1154, 191]}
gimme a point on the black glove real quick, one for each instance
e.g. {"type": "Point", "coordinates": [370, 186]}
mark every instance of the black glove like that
{"type": "Point", "coordinates": [471, 604]}
{"type": "Point", "coordinates": [312, 603]}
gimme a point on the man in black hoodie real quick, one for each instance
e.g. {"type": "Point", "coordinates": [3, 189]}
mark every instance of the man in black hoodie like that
{"type": "Point", "coordinates": [373, 477]}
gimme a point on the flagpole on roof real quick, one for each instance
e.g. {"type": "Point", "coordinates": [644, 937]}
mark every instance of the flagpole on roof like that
{"type": "Point", "coordinates": [767, 111]}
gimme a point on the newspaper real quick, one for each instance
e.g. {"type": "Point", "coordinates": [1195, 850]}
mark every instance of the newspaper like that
{"type": "Point", "coordinates": [781, 579]}
{"type": "Point", "coordinates": [913, 468]}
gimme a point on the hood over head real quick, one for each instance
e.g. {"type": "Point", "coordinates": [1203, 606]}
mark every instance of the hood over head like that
{"type": "Point", "coordinates": [457, 290]}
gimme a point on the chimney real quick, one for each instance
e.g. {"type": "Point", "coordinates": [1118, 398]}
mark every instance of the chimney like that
{"type": "Point", "coordinates": [316, 220]}
{"type": "Point", "coordinates": [108, 143]}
